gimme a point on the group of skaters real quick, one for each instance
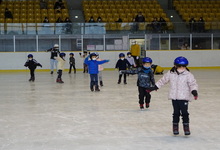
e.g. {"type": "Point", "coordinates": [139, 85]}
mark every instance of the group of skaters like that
{"type": "Point", "coordinates": [182, 82]}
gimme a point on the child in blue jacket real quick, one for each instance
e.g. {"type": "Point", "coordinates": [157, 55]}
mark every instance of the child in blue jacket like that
{"type": "Point", "coordinates": [93, 66]}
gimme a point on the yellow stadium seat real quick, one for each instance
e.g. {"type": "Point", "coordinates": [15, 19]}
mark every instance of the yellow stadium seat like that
{"type": "Point", "coordinates": [114, 10]}
{"type": "Point", "coordinates": [113, 26]}
{"type": "Point", "coordinates": [30, 20]}
{"type": "Point", "coordinates": [142, 26]}
{"type": "Point", "coordinates": [38, 20]}
{"type": "Point", "coordinates": [2, 20]}
{"type": "Point", "coordinates": [107, 10]}
{"type": "Point", "coordinates": [52, 20]}
{"type": "Point", "coordinates": [9, 20]}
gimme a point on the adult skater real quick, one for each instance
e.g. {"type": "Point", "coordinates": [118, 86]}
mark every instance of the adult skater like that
{"type": "Point", "coordinates": [182, 85]}
{"type": "Point", "coordinates": [54, 53]}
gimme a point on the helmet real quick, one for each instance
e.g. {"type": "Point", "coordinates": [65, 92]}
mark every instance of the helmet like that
{"type": "Point", "coordinates": [30, 56]}
{"type": "Point", "coordinates": [182, 61]}
{"type": "Point", "coordinates": [62, 54]}
{"type": "Point", "coordinates": [56, 45]}
{"type": "Point", "coordinates": [147, 60]}
{"type": "Point", "coordinates": [128, 53]}
{"type": "Point", "coordinates": [121, 55]}
{"type": "Point", "coordinates": [97, 54]}
{"type": "Point", "coordinates": [71, 54]}
{"type": "Point", "coordinates": [92, 54]}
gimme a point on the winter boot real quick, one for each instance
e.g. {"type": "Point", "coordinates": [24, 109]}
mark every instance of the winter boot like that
{"type": "Point", "coordinates": [97, 88]}
{"type": "Point", "coordinates": [141, 106]}
{"type": "Point", "coordinates": [186, 128]}
{"type": "Point", "coordinates": [147, 105]}
{"type": "Point", "coordinates": [175, 128]}
{"type": "Point", "coordinates": [101, 83]}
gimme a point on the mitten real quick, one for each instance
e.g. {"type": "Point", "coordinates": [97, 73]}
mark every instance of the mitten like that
{"type": "Point", "coordinates": [195, 94]}
{"type": "Point", "coordinates": [150, 89]}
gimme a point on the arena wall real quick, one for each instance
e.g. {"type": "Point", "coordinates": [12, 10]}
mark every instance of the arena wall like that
{"type": "Point", "coordinates": [197, 58]}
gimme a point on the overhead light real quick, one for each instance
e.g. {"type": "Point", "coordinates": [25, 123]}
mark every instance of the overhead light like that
{"type": "Point", "coordinates": [76, 16]}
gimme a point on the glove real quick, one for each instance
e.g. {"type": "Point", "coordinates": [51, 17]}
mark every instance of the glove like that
{"type": "Point", "coordinates": [137, 57]}
{"type": "Point", "coordinates": [107, 60]}
{"type": "Point", "coordinates": [150, 89]}
{"type": "Point", "coordinates": [195, 94]}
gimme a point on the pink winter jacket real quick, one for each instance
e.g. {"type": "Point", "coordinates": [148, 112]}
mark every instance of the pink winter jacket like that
{"type": "Point", "coordinates": [181, 85]}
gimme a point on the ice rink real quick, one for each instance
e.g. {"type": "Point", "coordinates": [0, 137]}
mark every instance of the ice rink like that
{"type": "Point", "coordinates": [45, 115]}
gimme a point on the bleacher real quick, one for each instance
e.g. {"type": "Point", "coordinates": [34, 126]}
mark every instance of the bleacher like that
{"type": "Point", "coordinates": [30, 12]}
{"type": "Point", "coordinates": [110, 11]}
{"type": "Point", "coordinates": [209, 10]}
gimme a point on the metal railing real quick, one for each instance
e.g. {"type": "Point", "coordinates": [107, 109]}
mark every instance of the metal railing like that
{"type": "Point", "coordinates": [22, 37]}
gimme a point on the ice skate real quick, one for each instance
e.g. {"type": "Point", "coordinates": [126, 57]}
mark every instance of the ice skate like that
{"type": "Point", "coordinates": [91, 88]}
{"type": "Point", "coordinates": [141, 106]}
{"type": "Point", "coordinates": [59, 80]}
{"type": "Point", "coordinates": [186, 128]}
{"type": "Point", "coordinates": [125, 82]}
{"type": "Point", "coordinates": [51, 72]}
{"type": "Point", "coordinates": [175, 128]}
{"type": "Point", "coordinates": [119, 82]}
{"type": "Point", "coordinates": [101, 83]}
{"type": "Point", "coordinates": [147, 105]}
{"type": "Point", "coordinates": [97, 89]}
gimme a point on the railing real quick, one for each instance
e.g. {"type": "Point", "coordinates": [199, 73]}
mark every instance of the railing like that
{"type": "Point", "coordinates": [99, 37]}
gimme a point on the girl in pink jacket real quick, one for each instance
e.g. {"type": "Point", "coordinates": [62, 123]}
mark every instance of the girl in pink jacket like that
{"type": "Point", "coordinates": [182, 86]}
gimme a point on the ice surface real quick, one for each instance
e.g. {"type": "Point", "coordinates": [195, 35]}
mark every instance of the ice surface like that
{"type": "Point", "coordinates": [45, 115]}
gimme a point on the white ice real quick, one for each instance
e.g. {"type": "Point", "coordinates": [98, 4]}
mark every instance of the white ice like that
{"type": "Point", "coordinates": [45, 115]}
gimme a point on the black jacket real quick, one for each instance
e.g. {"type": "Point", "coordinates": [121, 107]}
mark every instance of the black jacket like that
{"type": "Point", "coordinates": [122, 64]}
{"type": "Point", "coordinates": [145, 76]}
{"type": "Point", "coordinates": [54, 52]}
{"type": "Point", "coordinates": [32, 64]}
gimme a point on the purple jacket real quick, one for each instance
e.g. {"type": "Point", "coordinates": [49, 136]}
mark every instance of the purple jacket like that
{"type": "Point", "coordinates": [181, 85]}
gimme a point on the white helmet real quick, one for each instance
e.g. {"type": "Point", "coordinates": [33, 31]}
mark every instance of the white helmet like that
{"type": "Point", "coordinates": [56, 45]}
{"type": "Point", "coordinates": [133, 42]}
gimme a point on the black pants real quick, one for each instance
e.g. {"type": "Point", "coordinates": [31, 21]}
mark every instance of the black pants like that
{"type": "Point", "coordinates": [74, 68]}
{"type": "Point", "coordinates": [60, 74]}
{"type": "Point", "coordinates": [180, 107]}
{"type": "Point", "coordinates": [32, 72]}
{"type": "Point", "coordinates": [120, 76]}
{"type": "Point", "coordinates": [136, 61]}
{"type": "Point", "coordinates": [85, 68]}
{"type": "Point", "coordinates": [143, 95]}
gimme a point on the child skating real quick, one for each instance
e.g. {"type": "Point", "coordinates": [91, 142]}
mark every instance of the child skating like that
{"type": "Point", "coordinates": [32, 65]}
{"type": "Point", "coordinates": [122, 64]}
{"type": "Point", "coordinates": [144, 81]}
{"type": "Point", "coordinates": [182, 86]}
{"type": "Point", "coordinates": [130, 60]}
{"type": "Point", "coordinates": [72, 63]}
{"type": "Point", "coordinates": [60, 66]}
{"type": "Point", "coordinates": [101, 68]}
{"type": "Point", "coordinates": [93, 66]}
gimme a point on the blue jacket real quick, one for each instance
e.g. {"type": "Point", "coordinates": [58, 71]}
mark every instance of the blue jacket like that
{"type": "Point", "coordinates": [94, 65]}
